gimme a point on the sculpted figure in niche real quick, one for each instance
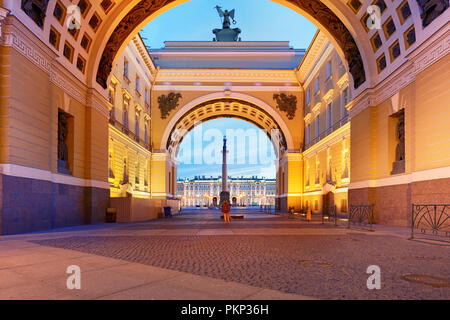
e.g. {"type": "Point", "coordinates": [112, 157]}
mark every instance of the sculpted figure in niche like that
{"type": "Point", "coordinates": [62, 136]}
{"type": "Point", "coordinates": [399, 163]}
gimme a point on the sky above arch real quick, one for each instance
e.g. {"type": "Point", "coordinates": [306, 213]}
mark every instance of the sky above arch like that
{"type": "Point", "coordinates": [259, 20]}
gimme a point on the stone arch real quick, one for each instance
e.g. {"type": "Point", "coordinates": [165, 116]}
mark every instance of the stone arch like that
{"type": "Point", "coordinates": [212, 106]}
{"type": "Point", "coordinates": [331, 18]}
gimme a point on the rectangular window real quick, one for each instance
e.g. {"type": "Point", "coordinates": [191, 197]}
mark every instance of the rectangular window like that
{"type": "Point", "coordinates": [345, 101]}
{"type": "Point", "coordinates": [328, 70]}
{"type": "Point", "coordinates": [146, 134]}
{"type": "Point", "coordinates": [125, 68]}
{"type": "Point", "coordinates": [111, 99]}
{"type": "Point", "coordinates": [317, 85]}
{"type": "Point", "coordinates": [308, 134]}
{"type": "Point", "coordinates": [318, 125]}
{"type": "Point", "coordinates": [125, 112]}
{"type": "Point", "coordinates": [138, 84]}
{"type": "Point", "coordinates": [146, 96]}
{"type": "Point", "coordinates": [329, 116]}
{"type": "Point", "coordinates": [308, 96]}
{"type": "Point", "coordinates": [136, 126]}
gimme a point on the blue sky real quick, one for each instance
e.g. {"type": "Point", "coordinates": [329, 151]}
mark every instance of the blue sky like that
{"type": "Point", "coordinates": [259, 20]}
{"type": "Point", "coordinates": [251, 152]}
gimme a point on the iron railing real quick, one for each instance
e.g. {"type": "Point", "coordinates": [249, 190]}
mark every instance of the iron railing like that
{"type": "Point", "coordinates": [328, 131]}
{"type": "Point", "coordinates": [329, 214]}
{"type": "Point", "coordinates": [129, 133]}
{"type": "Point", "coordinates": [361, 214]}
{"type": "Point", "coordinates": [432, 217]}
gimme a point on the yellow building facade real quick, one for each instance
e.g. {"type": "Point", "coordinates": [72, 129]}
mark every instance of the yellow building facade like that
{"type": "Point", "coordinates": [129, 124]}
{"type": "Point", "coordinates": [58, 166]}
{"type": "Point", "coordinates": [326, 153]}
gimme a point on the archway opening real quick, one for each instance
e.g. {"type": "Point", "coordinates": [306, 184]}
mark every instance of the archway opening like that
{"type": "Point", "coordinates": [250, 161]}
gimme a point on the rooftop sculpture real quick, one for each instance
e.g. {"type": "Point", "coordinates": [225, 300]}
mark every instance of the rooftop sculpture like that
{"type": "Point", "coordinates": [226, 33]}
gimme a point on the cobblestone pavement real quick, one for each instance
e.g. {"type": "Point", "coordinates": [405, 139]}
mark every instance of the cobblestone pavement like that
{"type": "Point", "coordinates": [330, 264]}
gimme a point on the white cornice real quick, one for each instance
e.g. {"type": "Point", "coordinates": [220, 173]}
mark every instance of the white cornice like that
{"type": "Point", "coordinates": [223, 88]}
{"type": "Point", "coordinates": [214, 75]}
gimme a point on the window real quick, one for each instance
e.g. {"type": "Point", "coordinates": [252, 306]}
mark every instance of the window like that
{"type": "Point", "coordinates": [146, 133]}
{"type": "Point", "coordinates": [308, 134]}
{"type": "Point", "coordinates": [136, 126]}
{"type": "Point", "coordinates": [125, 113]}
{"type": "Point", "coordinates": [125, 68]}
{"type": "Point", "coordinates": [317, 85]}
{"type": "Point", "coordinates": [345, 101]}
{"type": "Point", "coordinates": [146, 96]}
{"type": "Point", "coordinates": [329, 116]}
{"type": "Point", "coordinates": [138, 84]}
{"type": "Point", "coordinates": [318, 125]}
{"type": "Point", "coordinates": [328, 70]}
{"type": "Point", "coordinates": [136, 173]}
{"type": "Point", "coordinates": [111, 98]}
{"type": "Point", "coordinates": [308, 96]}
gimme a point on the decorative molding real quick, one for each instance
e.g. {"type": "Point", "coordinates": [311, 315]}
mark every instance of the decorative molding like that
{"type": "Point", "coordinates": [3, 13]}
{"type": "Point", "coordinates": [328, 97]}
{"type": "Point", "coordinates": [203, 88]}
{"type": "Point", "coordinates": [429, 52]}
{"type": "Point", "coordinates": [343, 82]}
{"type": "Point", "coordinates": [14, 37]}
{"type": "Point", "coordinates": [316, 109]}
{"type": "Point", "coordinates": [308, 117]}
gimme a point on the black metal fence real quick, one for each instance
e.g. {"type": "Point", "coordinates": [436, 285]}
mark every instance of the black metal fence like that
{"type": "Point", "coordinates": [431, 218]}
{"type": "Point", "coordinates": [361, 215]}
{"type": "Point", "coordinates": [329, 214]}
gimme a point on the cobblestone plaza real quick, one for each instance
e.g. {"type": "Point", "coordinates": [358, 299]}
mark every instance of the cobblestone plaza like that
{"type": "Point", "coordinates": [196, 256]}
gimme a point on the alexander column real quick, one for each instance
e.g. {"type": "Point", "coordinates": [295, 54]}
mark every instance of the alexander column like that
{"type": "Point", "coordinates": [224, 194]}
